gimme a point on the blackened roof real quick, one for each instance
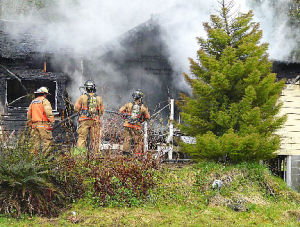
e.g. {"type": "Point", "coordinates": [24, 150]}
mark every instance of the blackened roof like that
{"type": "Point", "coordinates": [286, 70]}
{"type": "Point", "coordinates": [17, 41]}
{"type": "Point", "coordinates": [32, 74]}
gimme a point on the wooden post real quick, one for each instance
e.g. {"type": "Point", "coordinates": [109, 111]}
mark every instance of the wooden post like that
{"type": "Point", "coordinates": [45, 67]}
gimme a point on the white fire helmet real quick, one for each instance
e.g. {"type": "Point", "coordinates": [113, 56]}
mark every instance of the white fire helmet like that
{"type": "Point", "coordinates": [42, 90]}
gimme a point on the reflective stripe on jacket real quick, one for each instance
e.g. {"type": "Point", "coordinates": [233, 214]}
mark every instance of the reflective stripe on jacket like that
{"type": "Point", "coordinates": [41, 125]}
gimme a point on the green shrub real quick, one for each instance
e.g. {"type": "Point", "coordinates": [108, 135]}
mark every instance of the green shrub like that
{"type": "Point", "coordinates": [36, 183]}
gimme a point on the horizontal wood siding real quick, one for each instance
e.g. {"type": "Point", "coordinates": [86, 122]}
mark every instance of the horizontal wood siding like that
{"type": "Point", "coordinates": [290, 133]}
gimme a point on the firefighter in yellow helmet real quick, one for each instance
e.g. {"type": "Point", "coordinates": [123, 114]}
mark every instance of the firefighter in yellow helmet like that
{"type": "Point", "coordinates": [136, 113]}
{"type": "Point", "coordinates": [40, 119]}
{"type": "Point", "coordinates": [90, 108]}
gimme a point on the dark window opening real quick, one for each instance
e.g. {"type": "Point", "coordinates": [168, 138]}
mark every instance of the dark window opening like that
{"type": "Point", "coordinates": [18, 98]}
{"type": "Point", "coordinates": [278, 165]}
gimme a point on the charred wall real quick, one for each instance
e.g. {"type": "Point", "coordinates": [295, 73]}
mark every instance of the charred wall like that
{"type": "Point", "coordinates": [286, 70]}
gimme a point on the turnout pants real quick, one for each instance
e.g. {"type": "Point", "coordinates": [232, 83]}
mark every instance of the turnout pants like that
{"type": "Point", "coordinates": [40, 135]}
{"type": "Point", "coordinates": [137, 137]}
{"type": "Point", "coordinates": [92, 127]}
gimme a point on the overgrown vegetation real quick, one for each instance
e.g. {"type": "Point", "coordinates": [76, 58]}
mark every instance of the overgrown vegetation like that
{"type": "Point", "coordinates": [234, 106]}
{"type": "Point", "coordinates": [184, 196]}
{"type": "Point", "coordinates": [45, 183]}
{"type": "Point", "coordinates": [137, 190]}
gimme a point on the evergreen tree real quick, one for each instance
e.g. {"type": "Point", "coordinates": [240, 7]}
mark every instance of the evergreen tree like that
{"type": "Point", "coordinates": [233, 109]}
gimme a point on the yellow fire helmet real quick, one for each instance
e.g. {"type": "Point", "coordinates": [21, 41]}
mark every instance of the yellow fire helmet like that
{"type": "Point", "coordinates": [42, 90]}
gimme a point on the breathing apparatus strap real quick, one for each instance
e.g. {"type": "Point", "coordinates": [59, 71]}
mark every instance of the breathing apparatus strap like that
{"type": "Point", "coordinates": [138, 119]}
{"type": "Point", "coordinates": [86, 112]}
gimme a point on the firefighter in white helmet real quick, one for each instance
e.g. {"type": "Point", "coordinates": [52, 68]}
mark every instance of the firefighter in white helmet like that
{"type": "Point", "coordinates": [40, 119]}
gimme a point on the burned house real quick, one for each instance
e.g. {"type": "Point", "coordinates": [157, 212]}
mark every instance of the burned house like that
{"type": "Point", "coordinates": [25, 65]}
{"type": "Point", "coordinates": [23, 69]}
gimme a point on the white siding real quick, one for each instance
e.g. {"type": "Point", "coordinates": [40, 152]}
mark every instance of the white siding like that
{"type": "Point", "coordinates": [290, 133]}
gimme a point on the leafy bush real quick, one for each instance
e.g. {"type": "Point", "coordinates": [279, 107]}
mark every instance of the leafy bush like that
{"type": "Point", "coordinates": [122, 180]}
{"type": "Point", "coordinates": [36, 183]}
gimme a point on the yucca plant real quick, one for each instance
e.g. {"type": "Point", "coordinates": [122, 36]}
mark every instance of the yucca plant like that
{"type": "Point", "coordinates": [35, 184]}
{"type": "Point", "coordinates": [25, 185]}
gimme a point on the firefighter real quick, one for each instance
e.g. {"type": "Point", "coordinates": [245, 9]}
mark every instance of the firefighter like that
{"type": "Point", "coordinates": [90, 108]}
{"type": "Point", "coordinates": [40, 120]}
{"type": "Point", "coordinates": [136, 113]}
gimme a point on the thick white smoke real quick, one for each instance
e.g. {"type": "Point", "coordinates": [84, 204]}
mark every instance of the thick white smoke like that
{"type": "Point", "coordinates": [274, 20]}
{"type": "Point", "coordinates": [84, 25]}
{"type": "Point", "coordinates": [184, 22]}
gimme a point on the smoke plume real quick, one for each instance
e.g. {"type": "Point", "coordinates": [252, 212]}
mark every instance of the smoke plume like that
{"type": "Point", "coordinates": [87, 28]}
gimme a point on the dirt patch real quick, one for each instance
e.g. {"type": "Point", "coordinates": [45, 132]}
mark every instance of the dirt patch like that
{"type": "Point", "coordinates": [218, 200]}
{"type": "Point", "coordinates": [236, 204]}
{"type": "Point", "coordinates": [293, 214]}
{"type": "Point", "coordinates": [255, 199]}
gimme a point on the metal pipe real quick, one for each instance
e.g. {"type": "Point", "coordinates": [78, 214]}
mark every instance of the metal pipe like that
{"type": "Point", "coordinates": [145, 137]}
{"type": "Point", "coordinates": [289, 171]}
{"type": "Point", "coordinates": [284, 167]}
{"type": "Point", "coordinates": [171, 130]}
